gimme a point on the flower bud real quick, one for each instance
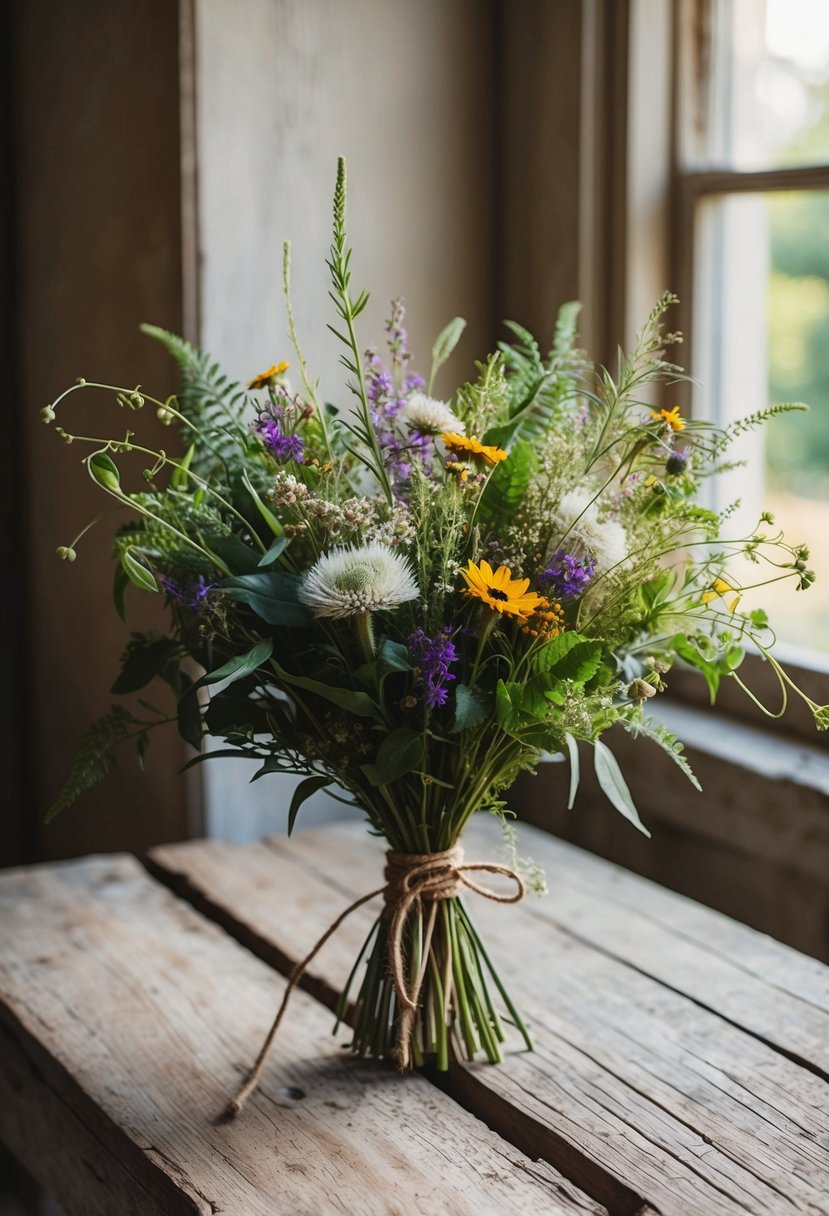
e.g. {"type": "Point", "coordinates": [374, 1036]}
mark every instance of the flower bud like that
{"type": "Point", "coordinates": [80, 381]}
{"type": "Point", "coordinates": [47, 414]}
{"type": "Point", "coordinates": [66, 553]}
{"type": "Point", "coordinates": [640, 690]}
{"type": "Point", "coordinates": [164, 415]}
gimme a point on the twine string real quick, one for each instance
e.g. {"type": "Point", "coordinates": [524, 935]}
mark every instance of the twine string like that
{"type": "Point", "coordinates": [411, 879]}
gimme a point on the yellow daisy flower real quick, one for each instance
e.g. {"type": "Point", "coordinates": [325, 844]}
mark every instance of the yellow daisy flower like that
{"type": "Point", "coordinates": [670, 417]}
{"type": "Point", "coordinates": [268, 377]}
{"type": "Point", "coordinates": [500, 591]}
{"type": "Point", "coordinates": [468, 445]}
{"type": "Point", "coordinates": [720, 590]}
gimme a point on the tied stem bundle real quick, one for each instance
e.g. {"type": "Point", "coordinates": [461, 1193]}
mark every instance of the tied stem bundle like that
{"type": "Point", "coordinates": [412, 879]}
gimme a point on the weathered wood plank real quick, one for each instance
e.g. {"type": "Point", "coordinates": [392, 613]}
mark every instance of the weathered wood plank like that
{"type": "Point", "coordinates": [634, 1090]}
{"type": "Point", "coordinates": [127, 1019]}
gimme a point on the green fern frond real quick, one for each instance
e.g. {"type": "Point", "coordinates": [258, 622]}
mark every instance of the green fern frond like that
{"type": "Point", "coordinates": [212, 404]}
{"type": "Point", "coordinates": [666, 739]}
{"type": "Point", "coordinates": [94, 758]}
{"type": "Point", "coordinates": [759, 418]}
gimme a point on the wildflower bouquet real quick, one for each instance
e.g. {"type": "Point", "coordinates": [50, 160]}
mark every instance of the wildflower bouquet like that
{"type": "Point", "coordinates": [410, 601]}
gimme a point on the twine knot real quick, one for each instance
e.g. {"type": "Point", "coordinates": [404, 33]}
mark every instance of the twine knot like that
{"type": "Point", "coordinates": [411, 879]}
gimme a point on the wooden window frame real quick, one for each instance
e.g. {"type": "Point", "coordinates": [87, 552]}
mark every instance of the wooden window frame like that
{"type": "Point", "coordinates": [662, 197]}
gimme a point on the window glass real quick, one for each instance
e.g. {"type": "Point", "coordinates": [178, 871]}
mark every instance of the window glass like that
{"type": "Point", "coordinates": [759, 75]}
{"type": "Point", "coordinates": [762, 331]}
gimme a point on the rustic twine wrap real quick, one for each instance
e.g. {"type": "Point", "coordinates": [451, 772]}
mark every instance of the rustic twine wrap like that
{"type": "Point", "coordinates": [411, 879]}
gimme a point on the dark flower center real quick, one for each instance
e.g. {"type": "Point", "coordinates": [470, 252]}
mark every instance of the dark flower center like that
{"type": "Point", "coordinates": [497, 593]}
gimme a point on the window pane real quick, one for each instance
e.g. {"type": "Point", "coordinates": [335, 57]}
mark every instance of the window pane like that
{"type": "Point", "coordinates": [757, 92]}
{"type": "Point", "coordinates": [761, 329]}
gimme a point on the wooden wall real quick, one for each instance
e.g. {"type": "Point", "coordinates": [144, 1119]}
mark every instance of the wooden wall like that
{"type": "Point", "coordinates": [95, 157]}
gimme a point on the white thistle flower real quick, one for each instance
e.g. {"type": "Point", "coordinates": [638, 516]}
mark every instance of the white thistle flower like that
{"type": "Point", "coordinates": [425, 414]}
{"type": "Point", "coordinates": [358, 579]}
{"type": "Point", "coordinates": [580, 528]}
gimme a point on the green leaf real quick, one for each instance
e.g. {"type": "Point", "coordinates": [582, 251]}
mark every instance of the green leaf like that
{"type": "Point", "coordinates": [394, 655]}
{"type": "Point", "coordinates": [471, 708]}
{"type": "Point", "coordinates": [274, 552]}
{"type": "Point", "coordinates": [103, 469]}
{"type": "Point", "coordinates": [667, 740]}
{"type": "Point", "coordinates": [233, 551]}
{"type": "Point", "coordinates": [189, 718]}
{"type": "Point", "coordinates": [305, 790]}
{"type": "Point", "coordinates": [445, 343]}
{"type": "Point", "coordinates": [179, 479]}
{"type": "Point", "coordinates": [610, 778]}
{"type": "Point", "coordinates": [272, 595]}
{"type": "Point", "coordinates": [266, 513]}
{"type": "Point", "coordinates": [687, 651]}
{"type": "Point", "coordinates": [120, 583]}
{"type": "Point", "coordinates": [573, 752]}
{"type": "Point", "coordinates": [570, 657]}
{"type": "Point", "coordinates": [144, 661]}
{"type": "Point", "coordinates": [241, 665]}
{"type": "Point", "coordinates": [137, 572]}
{"type": "Point", "coordinates": [94, 758]}
{"type": "Point", "coordinates": [398, 754]}
{"type": "Point", "coordinates": [507, 486]}
{"type": "Point", "coordinates": [391, 657]}
{"type": "Point", "coordinates": [229, 709]}
{"type": "Point", "coordinates": [351, 699]}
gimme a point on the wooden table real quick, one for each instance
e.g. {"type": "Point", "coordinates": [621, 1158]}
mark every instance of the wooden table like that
{"type": "Point", "coordinates": [680, 1068]}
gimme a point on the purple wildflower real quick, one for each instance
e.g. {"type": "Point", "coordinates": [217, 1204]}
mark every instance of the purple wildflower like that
{"type": "Point", "coordinates": [676, 462]}
{"type": "Point", "coordinates": [567, 575]}
{"type": "Point", "coordinates": [191, 596]}
{"type": "Point", "coordinates": [282, 447]}
{"type": "Point", "coordinates": [433, 656]}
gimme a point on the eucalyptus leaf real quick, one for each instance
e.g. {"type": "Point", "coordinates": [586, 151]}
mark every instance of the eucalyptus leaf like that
{"type": "Point", "coordinates": [233, 551]}
{"type": "Point", "coordinates": [273, 596]}
{"type": "Point", "coordinates": [274, 552]}
{"type": "Point", "coordinates": [305, 790]}
{"type": "Point", "coordinates": [241, 665]}
{"type": "Point", "coordinates": [356, 702]}
{"type": "Point", "coordinates": [573, 753]}
{"type": "Point", "coordinates": [610, 778]}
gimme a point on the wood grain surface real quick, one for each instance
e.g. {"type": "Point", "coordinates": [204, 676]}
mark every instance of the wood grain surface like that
{"type": "Point", "coordinates": [127, 1021]}
{"type": "Point", "coordinates": [680, 1057]}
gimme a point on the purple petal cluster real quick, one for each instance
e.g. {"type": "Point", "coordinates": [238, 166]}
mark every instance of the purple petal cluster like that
{"type": "Point", "coordinates": [191, 596]}
{"type": "Point", "coordinates": [433, 656]}
{"type": "Point", "coordinates": [386, 402]}
{"type": "Point", "coordinates": [567, 576]}
{"type": "Point", "coordinates": [282, 446]}
{"type": "Point", "coordinates": [677, 461]}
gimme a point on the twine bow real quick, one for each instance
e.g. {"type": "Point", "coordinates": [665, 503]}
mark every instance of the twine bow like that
{"type": "Point", "coordinates": [411, 879]}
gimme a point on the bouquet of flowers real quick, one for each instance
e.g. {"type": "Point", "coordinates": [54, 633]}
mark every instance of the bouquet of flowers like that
{"type": "Point", "coordinates": [408, 601]}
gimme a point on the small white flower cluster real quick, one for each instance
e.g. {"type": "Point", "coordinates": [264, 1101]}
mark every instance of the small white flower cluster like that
{"type": "Point", "coordinates": [289, 491]}
{"type": "Point", "coordinates": [355, 580]}
{"type": "Point", "coordinates": [581, 529]}
{"type": "Point", "coordinates": [430, 417]}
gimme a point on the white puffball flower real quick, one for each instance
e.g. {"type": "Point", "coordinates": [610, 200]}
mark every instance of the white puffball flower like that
{"type": "Point", "coordinates": [357, 579]}
{"type": "Point", "coordinates": [579, 527]}
{"type": "Point", "coordinates": [425, 414]}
